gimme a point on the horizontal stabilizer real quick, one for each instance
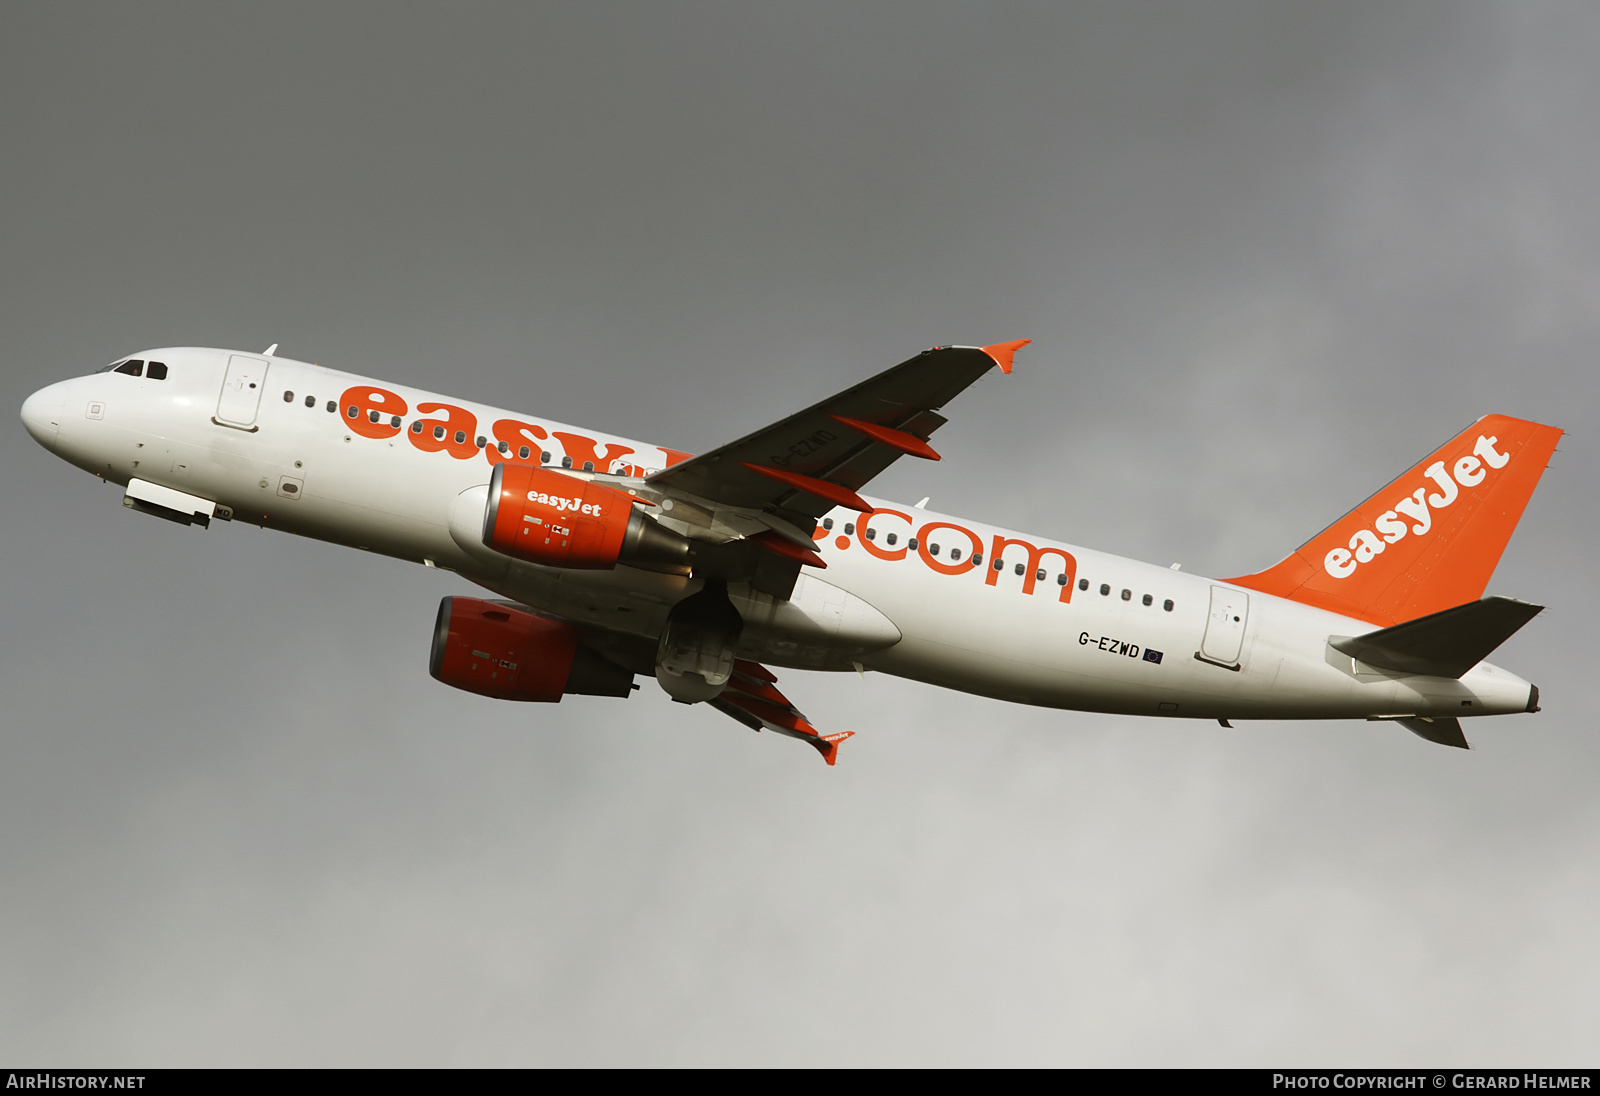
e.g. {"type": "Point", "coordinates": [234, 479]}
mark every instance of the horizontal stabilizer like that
{"type": "Point", "coordinates": [1443, 644]}
{"type": "Point", "coordinates": [1446, 732]}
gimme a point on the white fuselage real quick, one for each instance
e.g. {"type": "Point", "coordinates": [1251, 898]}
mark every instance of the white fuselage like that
{"type": "Point", "coordinates": [1218, 651]}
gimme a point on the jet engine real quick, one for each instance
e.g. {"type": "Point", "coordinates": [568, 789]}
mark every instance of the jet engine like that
{"type": "Point", "coordinates": [561, 521]}
{"type": "Point", "coordinates": [498, 650]}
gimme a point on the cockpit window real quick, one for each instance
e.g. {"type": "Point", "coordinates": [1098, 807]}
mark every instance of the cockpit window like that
{"type": "Point", "coordinates": [133, 368]}
{"type": "Point", "coordinates": [156, 371]}
{"type": "Point", "coordinates": [109, 368]}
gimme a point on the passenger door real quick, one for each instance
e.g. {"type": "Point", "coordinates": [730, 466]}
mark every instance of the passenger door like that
{"type": "Point", "coordinates": [241, 392]}
{"type": "Point", "coordinates": [1224, 638]}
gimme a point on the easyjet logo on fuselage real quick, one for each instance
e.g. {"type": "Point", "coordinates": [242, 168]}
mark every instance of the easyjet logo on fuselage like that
{"type": "Point", "coordinates": [1414, 514]}
{"type": "Point", "coordinates": [380, 413]}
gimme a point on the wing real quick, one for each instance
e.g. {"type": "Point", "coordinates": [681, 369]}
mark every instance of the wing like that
{"type": "Point", "coordinates": [753, 699]}
{"type": "Point", "coordinates": [803, 466]}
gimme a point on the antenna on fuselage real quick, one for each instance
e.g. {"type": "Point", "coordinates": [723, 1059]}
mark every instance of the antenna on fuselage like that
{"type": "Point", "coordinates": [269, 351]}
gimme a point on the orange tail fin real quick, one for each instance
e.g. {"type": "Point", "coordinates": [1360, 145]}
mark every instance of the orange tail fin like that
{"type": "Point", "coordinates": [1428, 541]}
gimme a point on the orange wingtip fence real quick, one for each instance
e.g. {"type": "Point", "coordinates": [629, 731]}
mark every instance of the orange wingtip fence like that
{"type": "Point", "coordinates": [1003, 353]}
{"type": "Point", "coordinates": [752, 698]}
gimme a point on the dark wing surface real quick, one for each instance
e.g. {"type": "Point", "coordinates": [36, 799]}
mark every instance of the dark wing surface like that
{"type": "Point", "coordinates": [752, 698]}
{"type": "Point", "coordinates": [803, 466]}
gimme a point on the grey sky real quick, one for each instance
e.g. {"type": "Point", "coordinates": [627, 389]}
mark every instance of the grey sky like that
{"type": "Point", "coordinates": [1270, 254]}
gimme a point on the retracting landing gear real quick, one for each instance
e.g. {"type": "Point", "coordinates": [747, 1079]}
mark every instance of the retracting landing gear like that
{"type": "Point", "coordinates": [695, 658]}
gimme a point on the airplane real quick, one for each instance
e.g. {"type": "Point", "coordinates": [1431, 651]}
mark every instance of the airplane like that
{"type": "Point", "coordinates": [610, 558]}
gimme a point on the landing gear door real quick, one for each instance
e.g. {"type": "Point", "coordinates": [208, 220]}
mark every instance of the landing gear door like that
{"type": "Point", "coordinates": [241, 392]}
{"type": "Point", "coordinates": [1224, 638]}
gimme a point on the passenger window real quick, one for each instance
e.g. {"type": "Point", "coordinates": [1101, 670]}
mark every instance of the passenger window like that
{"type": "Point", "coordinates": [849, 528]}
{"type": "Point", "coordinates": [872, 534]}
{"type": "Point", "coordinates": [311, 401]}
{"type": "Point", "coordinates": [912, 544]}
{"type": "Point", "coordinates": [157, 371]}
{"type": "Point", "coordinates": [461, 436]}
{"type": "Point", "coordinates": [933, 549]}
{"type": "Point", "coordinates": [1061, 579]}
{"type": "Point", "coordinates": [588, 466]}
{"type": "Point", "coordinates": [416, 427]}
{"type": "Point", "coordinates": [132, 368]}
{"type": "Point", "coordinates": [438, 432]}
{"type": "Point", "coordinates": [332, 407]}
{"type": "Point", "coordinates": [1127, 595]}
{"type": "Point", "coordinates": [955, 553]}
{"type": "Point", "coordinates": [1148, 599]}
{"type": "Point", "coordinates": [372, 416]}
{"type": "Point", "coordinates": [353, 412]}
{"type": "Point", "coordinates": [1105, 589]}
{"type": "Point", "coordinates": [544, 457]}
{"type": "Point", "coordinates": [504, 447]}
{"type": "Point", "coordinates": [288, 397]}
{"type": "Point", "coordinates": [1039, 575]}
{"type": "Point", "coordinates": [999, 564]}
{"type": "Point", "coordinates": [1019, 568]}
{"type": "Point", "coordinates": [890, 538]}
{"type": "Point", "coordinates": [522, 454]}
{"type": "Point", "coordinates": [827, 523]}
{"type": "Point", "coordinates": [1083, 583]}
{"type": "Point", "coordinates": [1167, 605]}
{"type": "Point", "coordinates": [482, 441]}
{"type": "Point", "coordinates": [977, 559]}
{"type": "Point", "coordinates": [394, 421]}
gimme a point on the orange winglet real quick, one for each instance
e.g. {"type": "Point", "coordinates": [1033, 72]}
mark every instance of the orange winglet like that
{"type": "Point", "coordinates": [797, 725]}
{"type": "Point", "coordinates": [828, 745]}
{"type": "Point", "coordinates": [786, 548]}
{"type": "Point", "coordinates": [1002, 353]}
{"type": "Point", "coordinates": [752, 695]}
{"type": "Point", "coordinates": [830, 492]}
{"type": "Point", "coordinates": [894, 439]}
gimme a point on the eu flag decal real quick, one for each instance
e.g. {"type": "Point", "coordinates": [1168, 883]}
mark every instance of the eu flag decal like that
{"type": "Point", "coordinates": [1152, 656]}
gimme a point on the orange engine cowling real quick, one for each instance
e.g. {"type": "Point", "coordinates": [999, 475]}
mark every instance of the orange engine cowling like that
{"type": "Point", "coordinates": [494, 649]}
{"type": "Point", "coordinates": [562, 521]}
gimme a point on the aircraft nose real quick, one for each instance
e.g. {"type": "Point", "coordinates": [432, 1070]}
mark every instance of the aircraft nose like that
{"type": "Point", "coordinates": [41, 414]}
